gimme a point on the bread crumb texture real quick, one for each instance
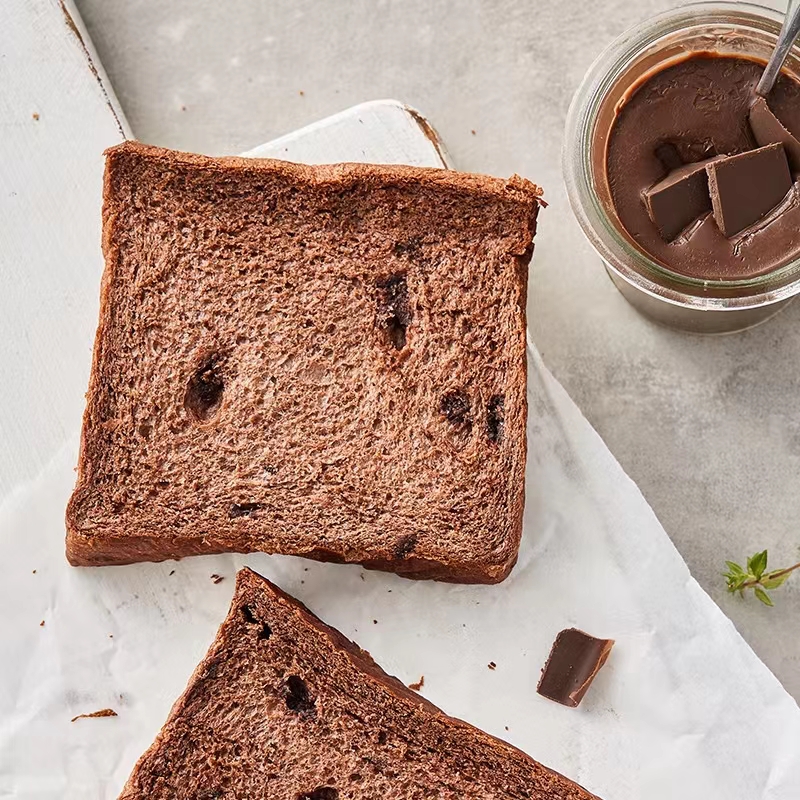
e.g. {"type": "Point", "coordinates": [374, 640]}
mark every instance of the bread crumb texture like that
{"type": "Point", "coordinates": [320, 361]}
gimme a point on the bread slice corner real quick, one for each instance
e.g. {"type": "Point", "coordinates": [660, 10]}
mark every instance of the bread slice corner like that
{"type": "Point", "coordinates": [285, 706]}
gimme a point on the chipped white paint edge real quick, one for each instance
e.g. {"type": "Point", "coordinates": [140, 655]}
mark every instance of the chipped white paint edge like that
{"type": "Point", "coordinates": [75, 26]}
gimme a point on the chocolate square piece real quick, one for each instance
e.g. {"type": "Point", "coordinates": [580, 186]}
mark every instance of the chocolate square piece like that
{"type": "Point", "coordinates": [746, 187]}
{"type": "Point", "coordinates": [768, 129]}
{"type": "Point", "coordinates": [574, 660]}
{"type": "Point", "coordinates": [679, 199]}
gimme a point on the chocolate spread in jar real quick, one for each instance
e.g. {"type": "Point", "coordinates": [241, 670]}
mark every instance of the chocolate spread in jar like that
{"type": "Point", "coordinates": [727, 218]}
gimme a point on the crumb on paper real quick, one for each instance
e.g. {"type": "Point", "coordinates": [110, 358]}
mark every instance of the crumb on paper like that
{"type": "Point", "coordinates": [35, 116]}
{"type": "Point", "coordinates": [374, 622]}
{"type": "Point", "coordinates": [473, 131]}
{"type": "Point", "coordinates": [506, 727]}
{"type": "Point", "coordinates": [34, 572]}
{"type": "Point", "coordinates": [217, 578]}
{"type": "Point", "coordinates": [362, 577]}
{"type": "Point", "coordinates": [103, 712]}
{"type": "Point", "coordinates": [110, 635]}
{"type": "Point", "coordinates": [302, 582]}
{"type": "Point", "coordinates": [172, 572]}
{"type": "Point", "coordinates": [183, 108]}
{"type": "Point", "coordinates": [41, 624]}
{"type": "Point", "coordinates": [302, 93]}
{"type": "Point", "coordinates": [418, 685]}
{"type": "Point", "coordinates": [492, 665]}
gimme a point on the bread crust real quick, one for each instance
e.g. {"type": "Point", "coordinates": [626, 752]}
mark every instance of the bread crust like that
{"type": "Point", "coordinates": [100, 531]}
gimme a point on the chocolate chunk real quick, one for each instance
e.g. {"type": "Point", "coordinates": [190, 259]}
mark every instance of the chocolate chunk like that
{"type": "Point", "coordinates": [244, 509]}
{"type": "Point", "coordinates": [746, 187]}
{"type": "Point", "coordinates": [574, 660]}
{"type": "Point", "coordinates": [679, 199]}
{"type": "Point", "coordinates": [768, 129]}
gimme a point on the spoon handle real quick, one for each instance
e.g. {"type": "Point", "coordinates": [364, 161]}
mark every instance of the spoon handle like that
{"type": "Point", "coordinates": [789, 32]}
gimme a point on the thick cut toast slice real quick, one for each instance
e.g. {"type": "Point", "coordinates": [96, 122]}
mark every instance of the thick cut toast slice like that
{"type": "Point", "coordinates": [319, 361]}
{"type": "Point", "coordinates": [283, 706]}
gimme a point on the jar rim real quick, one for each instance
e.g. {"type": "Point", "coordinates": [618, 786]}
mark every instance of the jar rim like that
{"type": "Point", "coordinates": [631, 263]}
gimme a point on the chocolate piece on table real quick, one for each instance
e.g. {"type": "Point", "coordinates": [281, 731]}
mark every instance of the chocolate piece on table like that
{"type": "Point", "coordinates": [574, 660]}
{"type": "Point", "coordinates": [746, 187]}
{"type": "Point", "coordinates": [768, 129]}
{"type": "Point", "coordinates": [679, 199]}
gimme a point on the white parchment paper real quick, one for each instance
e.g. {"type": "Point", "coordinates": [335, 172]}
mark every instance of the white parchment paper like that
{"type": "Point", "coordinates": [683, 708]}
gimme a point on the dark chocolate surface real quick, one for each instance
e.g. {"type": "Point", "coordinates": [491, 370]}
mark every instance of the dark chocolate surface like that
{"type": "Point", "coordinates": [575, 659]}
{"type": "Point", "coordinates": [699, 108]}
{"type": "Point", "coordinates": [744, 188]}
{"type": "Point", "coordinates": [679, 199]}
{"type": "Point", "coordinates": [767, 128]}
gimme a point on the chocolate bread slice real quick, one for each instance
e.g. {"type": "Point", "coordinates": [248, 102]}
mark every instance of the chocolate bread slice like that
{"type": "Point", "coordinates": [284, 706]}
{"type": "Point", "coordinates": [319, 361]}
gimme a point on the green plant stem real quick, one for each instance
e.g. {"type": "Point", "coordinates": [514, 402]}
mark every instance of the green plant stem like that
{"type": "Point", "coordinates": [779, 573]}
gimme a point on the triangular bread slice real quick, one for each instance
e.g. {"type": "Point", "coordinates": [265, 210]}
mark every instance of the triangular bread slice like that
{"type": "Point", "coordinates": [320, 361]}
{"type": "Point", "coordinates": [284, 706]}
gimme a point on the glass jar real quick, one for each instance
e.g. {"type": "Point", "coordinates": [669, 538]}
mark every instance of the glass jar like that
{"type": "Point", "coordinates": [705, 306]}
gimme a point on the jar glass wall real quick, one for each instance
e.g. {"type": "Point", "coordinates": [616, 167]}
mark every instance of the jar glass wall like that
{"type": "Point", "coordinates": [711, 306]}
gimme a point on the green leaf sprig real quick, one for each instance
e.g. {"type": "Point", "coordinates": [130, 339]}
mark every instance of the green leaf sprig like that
{"type": "Point", "coordinates": [756, 577]}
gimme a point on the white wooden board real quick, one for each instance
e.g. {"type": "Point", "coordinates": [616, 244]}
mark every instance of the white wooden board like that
{"type": "Point", "coordinates": [57, 115]}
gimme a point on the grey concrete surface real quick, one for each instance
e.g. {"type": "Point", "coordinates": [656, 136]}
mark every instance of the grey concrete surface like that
{"type": "Point", "coordinates": [709, 428]}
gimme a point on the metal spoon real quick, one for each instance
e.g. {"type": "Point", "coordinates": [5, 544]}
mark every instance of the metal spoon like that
{"type": "Point", "coordinates": [789, 32]}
